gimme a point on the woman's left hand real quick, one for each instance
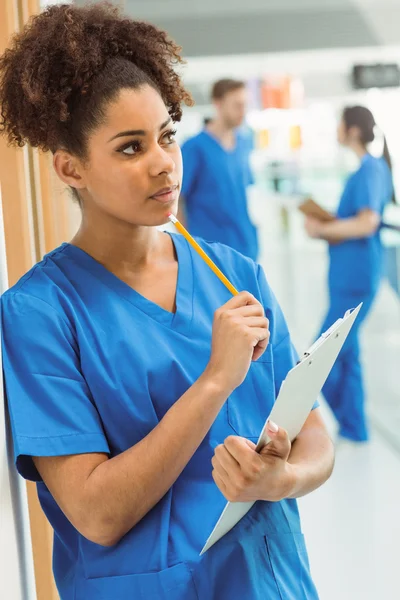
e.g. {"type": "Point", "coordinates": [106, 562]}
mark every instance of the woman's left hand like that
{"type": "Point", "coordinates": [314, 227]}
{"type": "Point", "coordinates": [244, 475]}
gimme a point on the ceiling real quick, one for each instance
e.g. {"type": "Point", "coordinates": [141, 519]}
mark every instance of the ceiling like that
{"type": "Point", "coordinates": [318, 40]}
{"type": "Point", "coordinates": [224, 27]}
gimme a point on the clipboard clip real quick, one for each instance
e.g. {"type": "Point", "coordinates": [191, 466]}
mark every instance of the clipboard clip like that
{"type": "Point", "coordinates": [320, 340]}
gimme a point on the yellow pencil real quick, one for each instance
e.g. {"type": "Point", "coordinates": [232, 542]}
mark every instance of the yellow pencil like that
{"type": "Point", "coordinates": [203, 255]}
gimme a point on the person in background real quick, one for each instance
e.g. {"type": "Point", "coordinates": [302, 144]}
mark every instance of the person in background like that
{"type": "Point", "coordinates": [356, 263]}
{"type": "Point", "coordinates": [217, 173]}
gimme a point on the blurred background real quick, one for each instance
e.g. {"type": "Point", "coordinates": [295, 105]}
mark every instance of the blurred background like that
{"type": "Point", "coordinates": [302, 62]}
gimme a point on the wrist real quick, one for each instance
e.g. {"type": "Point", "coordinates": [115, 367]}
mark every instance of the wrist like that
{"type": "Point", "coordinates": [217, 381]}
{"type": "Point", "coordinates": [292, 481]}
{"type": "Point", "coordinates": [213, 385]}
{"type": "Point", "coordinates": [321, 232]}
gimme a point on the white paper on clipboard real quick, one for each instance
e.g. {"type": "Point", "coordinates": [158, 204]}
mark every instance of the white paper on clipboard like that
{"type": "Point", "coordinates": [296, 398]}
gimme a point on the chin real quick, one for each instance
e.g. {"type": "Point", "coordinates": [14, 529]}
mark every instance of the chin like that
{"type": "Point", "coordinates": [162, 217]}
{"type": "Point", "coordinates": [162, 221]}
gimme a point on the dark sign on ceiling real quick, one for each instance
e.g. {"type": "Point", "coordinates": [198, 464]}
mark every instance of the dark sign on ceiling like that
{"type": "Point", "coordinates": [376, 76]}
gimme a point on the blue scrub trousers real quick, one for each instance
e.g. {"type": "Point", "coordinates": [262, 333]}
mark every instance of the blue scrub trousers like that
{"type": "Point", "coordinates": [343, 390]}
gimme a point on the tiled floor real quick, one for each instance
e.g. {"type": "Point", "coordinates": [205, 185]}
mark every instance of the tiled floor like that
{"type": "Point", "coordinates": [352, 524]}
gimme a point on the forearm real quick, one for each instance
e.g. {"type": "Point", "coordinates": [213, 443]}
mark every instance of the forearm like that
{"type": "Point", "coordinates": [341, 230]}
{"type": "Point", "coordinates": [311, 461]}
{"type": "Point", "coordinates": [125, 488]}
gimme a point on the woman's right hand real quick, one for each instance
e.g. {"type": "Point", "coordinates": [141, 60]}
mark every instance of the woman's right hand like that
{"type": "Point", "coordinates": [240, 335]}
{"type": "Point", "coordinates": [313, 227]}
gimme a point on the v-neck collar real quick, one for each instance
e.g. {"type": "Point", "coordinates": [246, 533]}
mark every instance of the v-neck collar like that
{"type": "Point", "coordinates": [181, 319]}
{"type": "Point", "coordinates": [213, 138]}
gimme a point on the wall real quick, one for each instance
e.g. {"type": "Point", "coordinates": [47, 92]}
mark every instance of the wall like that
{"type": "Point", "coordinates": [16, 565]}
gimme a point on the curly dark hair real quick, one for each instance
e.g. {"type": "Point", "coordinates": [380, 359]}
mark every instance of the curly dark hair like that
{"type": "Point", "coordinates": [61, 71]}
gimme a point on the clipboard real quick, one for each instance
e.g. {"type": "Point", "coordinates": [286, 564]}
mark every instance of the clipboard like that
{"type": "Point", "coordinates": [296, 398]}
{"type": "Point", "coordinates": [310, 208]}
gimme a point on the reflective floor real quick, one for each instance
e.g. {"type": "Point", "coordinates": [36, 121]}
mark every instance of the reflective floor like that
{"type": "Point", "coordinates": [352, 524]}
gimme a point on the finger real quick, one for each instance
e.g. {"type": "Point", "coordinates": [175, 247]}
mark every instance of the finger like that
{"type": "Point", "coordinates": [220, 483]}
{"type": "Point", "coordinates": [258, 335]}
{"type": "Point", "coordinates": [260, 349]}
{"type": "Point", "coordinates": [251, 310]}
{"type": "Point", "coordinates": [260, 344]}
{"type": "Point", "coordinates": [280, 445]}
{"type": "Point", "coordinates": [244, 452]}
{"type": "Point", "coordinates": [259, 322]}
{"type": "Point", "coordinates": [250, 444]}
{"type": "Point", "coordinates": [217, 466]}
{"type": "Point", "coordinates": [239, 449]}
{"type": "Point", "coordinates": [224, 459]}
{"type": "Point", "coordinates": [240, 300]}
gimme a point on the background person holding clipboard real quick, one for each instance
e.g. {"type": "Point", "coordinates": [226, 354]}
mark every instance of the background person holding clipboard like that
{"type": "Point", "coordinates": [356, 261]}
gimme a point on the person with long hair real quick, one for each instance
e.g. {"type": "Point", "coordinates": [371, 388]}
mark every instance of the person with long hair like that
{"type": "Point", "coordinates": [356, 263]}
{"type": "Point", "coordinates": [136, 385]}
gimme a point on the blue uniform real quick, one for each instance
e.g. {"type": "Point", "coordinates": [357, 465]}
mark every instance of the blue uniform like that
{"type": "Point", "coordinates": [214, 188]}
{"type": "Point", "coordinates": [92, 366]}
{"type": "Point", "coordinates": [354, 276]}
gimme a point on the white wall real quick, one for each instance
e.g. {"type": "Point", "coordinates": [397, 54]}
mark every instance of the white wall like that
{"type": "Point", "coordinates": [16, 567]}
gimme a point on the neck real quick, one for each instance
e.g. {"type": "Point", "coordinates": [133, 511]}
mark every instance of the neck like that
{"type": "Point", "coordinates": [118, 245]}
{"type": "Point", "coordinates": [222, 131]}
{"type": "Point", "coordinates": [359, 149]}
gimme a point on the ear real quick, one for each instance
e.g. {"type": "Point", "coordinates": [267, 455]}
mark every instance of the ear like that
{"type": "Point", "coordinates": [69, 169]}
{"type": "Point", "coordinates": [354, 133]}
{"type": "Point", "coordinates": [217, 103]}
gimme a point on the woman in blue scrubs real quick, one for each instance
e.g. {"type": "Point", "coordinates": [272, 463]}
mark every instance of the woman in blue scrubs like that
{"type": "Point", "coordinates": [356, 258]}
{"type": "Point", "coordinates": [136, 385]}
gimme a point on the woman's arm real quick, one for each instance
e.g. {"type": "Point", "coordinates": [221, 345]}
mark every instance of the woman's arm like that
{"type": "Point", "coordinates": [311, 456]}
{"type": "Point", "coordinates": [364, 224]}
{"type": "Point", "coordinates": [105, 497]}
{"type": "Point", "coordinates": [280, 470]}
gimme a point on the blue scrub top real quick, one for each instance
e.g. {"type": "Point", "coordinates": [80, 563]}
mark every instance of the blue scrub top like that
{"type": "Point", "coordinates": [214, 188]}
{"type": "Point", "coordinates": [92, 366]}
{"type": "Point", "coordinates": [356, 265]}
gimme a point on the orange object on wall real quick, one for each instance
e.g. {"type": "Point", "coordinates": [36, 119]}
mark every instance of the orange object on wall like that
{"type": "Point", "coordinates": [286, 93]}
{"type": "Point", "coordinates": [271, 96]}
{"type": "Point", "coordinates": [295, 139]}
{"type": "Point", "coordinates": [263, 138]}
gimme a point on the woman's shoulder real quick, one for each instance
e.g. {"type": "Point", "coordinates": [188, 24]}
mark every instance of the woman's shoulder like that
{"type": "Point", "coordinates": [372, 164]}
{"type": "Point", "coordinates": [37, 288]}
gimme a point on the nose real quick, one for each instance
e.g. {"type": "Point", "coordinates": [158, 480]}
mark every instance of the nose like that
{"type": "Point", "coordinates": [161, 162]}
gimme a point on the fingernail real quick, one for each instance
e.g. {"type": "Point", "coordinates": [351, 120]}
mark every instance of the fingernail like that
{"type": "Point", "coordinates": [273, 427]}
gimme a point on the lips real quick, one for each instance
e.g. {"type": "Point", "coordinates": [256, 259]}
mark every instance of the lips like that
{"type": "Point", "coordinates": [167, 194]}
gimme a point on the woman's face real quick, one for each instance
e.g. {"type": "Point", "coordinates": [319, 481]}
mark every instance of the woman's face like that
{"type": "Point", "coordinates": [342, 133]}
{"type": "Point", "coordinates": [134, 168]}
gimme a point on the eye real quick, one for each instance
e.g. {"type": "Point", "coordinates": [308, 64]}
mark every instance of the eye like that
{"type": "Point", "coordinates": [130, 149]}
{"type": "Point", "coordinates": [170, 136]}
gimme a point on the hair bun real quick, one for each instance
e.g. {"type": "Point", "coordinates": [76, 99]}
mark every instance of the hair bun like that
{"type": "Point", "coordinates": [52, 62]}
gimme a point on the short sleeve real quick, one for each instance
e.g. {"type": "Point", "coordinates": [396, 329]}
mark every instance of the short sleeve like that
{"type": "Point", "coordinates": [284, 353]}
{"type": "Point", "coordinates": [367, 192]}
{"type": "Point", "coordinates": [51, 409]}
{"type": "Point", "coordinates": [246, 145]}
{"type": "Point", "coordinates": [249, 176]}
{"type": "Point", "coordinates": [248, 173]}
{"type": "Point", "coordinates": [191, 168]}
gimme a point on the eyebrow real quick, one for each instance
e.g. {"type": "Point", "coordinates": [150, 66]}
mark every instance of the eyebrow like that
{"type": "Point", "coordinates": [137, 131]}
